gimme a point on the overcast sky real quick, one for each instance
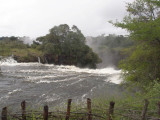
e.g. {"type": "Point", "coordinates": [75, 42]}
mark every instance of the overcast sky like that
{"type": "Point", "coordinates": [34, 18]}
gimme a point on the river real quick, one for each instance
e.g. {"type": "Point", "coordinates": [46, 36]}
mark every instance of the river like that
{"type": "Point", "coordinates": [41, 84]}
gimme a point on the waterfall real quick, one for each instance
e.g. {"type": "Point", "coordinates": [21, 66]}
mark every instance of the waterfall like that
{"type": "Point", "coordinates": [39, 60]}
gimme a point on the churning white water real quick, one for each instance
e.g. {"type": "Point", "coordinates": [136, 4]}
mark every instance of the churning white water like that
{"type": "Point", "coordinates": [7, 61]}
{"type": "Point", "coordinates": [52, 84]}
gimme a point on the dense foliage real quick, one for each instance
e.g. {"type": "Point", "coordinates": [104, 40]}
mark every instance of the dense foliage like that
{"type": "Point", "coordinates": [65, 45]}
{"type": "Point", "coordinates": [110, 48]}
{"type": "Point", "coordinates": [142, 67]}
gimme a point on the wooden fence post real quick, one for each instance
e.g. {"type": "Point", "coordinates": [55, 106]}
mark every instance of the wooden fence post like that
{"type": "Point", "coordinates": [89, 109]}
{"type": "Point", "coordinates": [143, 115]}
{"type": "Point", "coordinates": [4, 113]}
{"type": "Point", "coordinates": [68, 109]}
{"type": "Point", "coordinates": [23, 106]}
{"type": "Point", "coordinates": [111, 110]}
{"type": "Point", "coordinates": [45, 113]}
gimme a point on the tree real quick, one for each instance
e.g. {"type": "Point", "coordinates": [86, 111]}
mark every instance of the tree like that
{"type": "Point", "coordinates": [142, 67]}
{"type": "Point", "coordinates": [65, 45]}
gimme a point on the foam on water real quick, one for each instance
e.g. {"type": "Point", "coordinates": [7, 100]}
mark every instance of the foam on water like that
{"type": "Point", "coordinates": [115, 79]}
{"type": "Point", "coordinates": [87, 70]}
{"type": "Point", "coordinates": [14, 91]}
{"type": "Point", "coordinates": [8, 61]}
{"type": "Point", "coordinates": [43, 80]}
{"type": "Point", "coordinates": [45, 83]}
{"type": "Point", "coordinates": [62, 68]}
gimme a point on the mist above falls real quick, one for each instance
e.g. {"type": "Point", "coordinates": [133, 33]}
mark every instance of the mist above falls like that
{"type": "Point", "coordinates": [109, 48]}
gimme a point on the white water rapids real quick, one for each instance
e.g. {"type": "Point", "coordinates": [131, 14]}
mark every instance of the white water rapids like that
{"type": "Point", "coordinates": [52, 84]}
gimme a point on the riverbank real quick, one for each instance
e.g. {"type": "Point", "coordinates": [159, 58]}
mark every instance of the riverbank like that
{"type": "Point", "coordinates": [127, 108]}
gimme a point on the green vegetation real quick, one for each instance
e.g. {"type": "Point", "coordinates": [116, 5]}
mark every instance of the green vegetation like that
{"type": "Point", "coordinates": [142, 67]}
{"type": "Point", "coordinates": [22, 52]}
{"type": "Point", "coordinates": [63, 45]}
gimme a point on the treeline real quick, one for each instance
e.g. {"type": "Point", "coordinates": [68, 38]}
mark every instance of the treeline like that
{"type": "Point", "coordinates": [111, 48]}
{"type": "Point", "coordinates": [62, 45]}
{"type": "Point", "coordinates": [67, 46]}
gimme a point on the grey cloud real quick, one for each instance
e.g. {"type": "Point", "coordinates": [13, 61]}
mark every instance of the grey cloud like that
{"type": "Point", "coordinates": [35, 17]}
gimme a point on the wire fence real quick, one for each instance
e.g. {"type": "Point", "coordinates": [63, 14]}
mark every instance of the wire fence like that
{"type": "Point", "coordinates": [91, 112]}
